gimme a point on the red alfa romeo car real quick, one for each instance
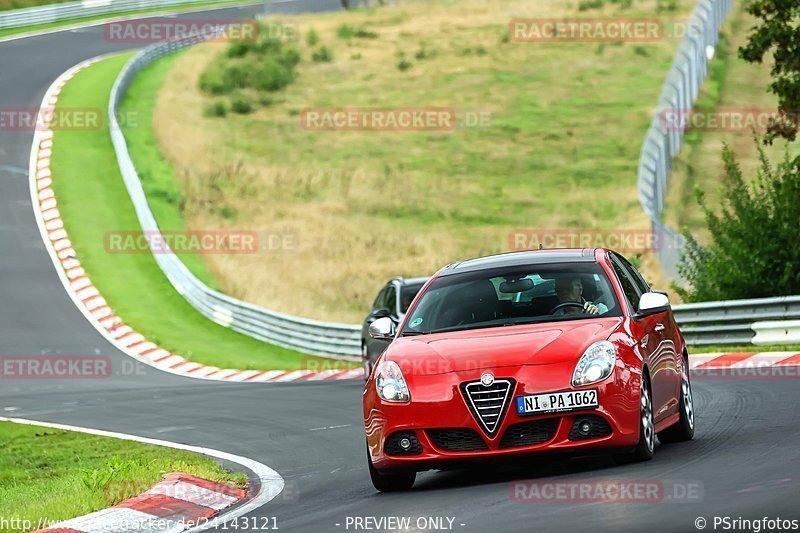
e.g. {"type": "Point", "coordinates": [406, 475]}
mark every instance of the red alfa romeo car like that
{"type": "Point", "coordinates": [548, 350]}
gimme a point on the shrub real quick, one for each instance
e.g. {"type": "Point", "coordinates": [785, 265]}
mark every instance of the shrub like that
{"type": "Point", "coordinates": [312, 38]}
{"type": "Point", "coordinates": [585, 5]}
{"type": "Point", "coordinates": [212, 81]}
{"type": "Point", "coordinates": [290, 58]}
{"type": "Point", "coordinates": [272, 76]}
{"type": "Point", "coordinates": [404, 65]}
{"type": "Point", "coordinates": [238, 75]}
{"type": "Point", "coordinates": [322, 55]}
{"type": "Point", "coordinates": [238, 49]}
{"type": "Point", "coordinates": [750, 255]}
{"type": "Point", "coordinates": [346, 31]}
{"type": "Point", "coordinates": [241, 104]}
{"type": "Point", "coordinates": [216, 108]}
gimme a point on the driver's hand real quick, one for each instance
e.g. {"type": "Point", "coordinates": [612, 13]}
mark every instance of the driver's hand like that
{"type": "Point", "coordinates": [590, 309]}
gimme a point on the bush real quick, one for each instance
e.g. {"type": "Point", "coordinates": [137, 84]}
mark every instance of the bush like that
{"type": "Point", "coordinates": [272, 76]}
{"type": "Point", "coordinates": [312, 38]}
{"type": "Point", "coordinates": [585, 5]}
{"type": "Point", "coordinates": [237, 76]}
{"type": "Point", "coordinates": [751, 254]}
{"type": "Point", "coordinates": [290, 58]}
{"type": "Point", "coordinates": [215, 109]}
{"type": "Point", "coordinates": [241, 104]}
{"type": "Point", "coordinates": [322, 55]}
{"type": "Point", "coordinates": [346, 31]}
{"type": "Point", "coordinates": [212, 81]}
{"type": "Point", "coordinates": [238, 49]}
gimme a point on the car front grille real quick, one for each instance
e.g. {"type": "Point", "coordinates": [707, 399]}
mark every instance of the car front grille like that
{"type": "Point", "coordinates": [457, 440]}
{"type": "Point", "coordinates": [529, 433]}
{"type": "Point", "coordinates": [488, 404]}
{"type": "Point", "coordinates": [598, 427]}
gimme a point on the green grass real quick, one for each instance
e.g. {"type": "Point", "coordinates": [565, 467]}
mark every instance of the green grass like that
{"type": "Point", "coordinates": [5, 32]}
{"type": "Point", "coordinates": [93, 200]}
{"type": "Point", "coordinates": [56, 475]}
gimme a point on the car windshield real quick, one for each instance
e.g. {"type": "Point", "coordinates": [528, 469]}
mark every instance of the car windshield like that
{"type": "Point", "coordinates": [513, 296]}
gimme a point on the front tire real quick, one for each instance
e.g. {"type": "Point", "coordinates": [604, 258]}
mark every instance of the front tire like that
{"type": "Point", "coordinates": [390, 481]}
{"type": "Point", "coordinates": [647, 436]}
{"type": "Point", "coordinates": [682, 430]}
{"type": "Point", "coordinates": [367, 364]}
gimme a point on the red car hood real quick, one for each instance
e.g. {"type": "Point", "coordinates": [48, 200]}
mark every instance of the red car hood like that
{"type": "Point", "coordinates": [534, 344]}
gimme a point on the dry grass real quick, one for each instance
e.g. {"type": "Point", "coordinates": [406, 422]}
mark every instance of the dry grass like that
{"type": "Point", "coordinates": [742, 86]}
{"type": "Point", "coordinates": [561, 151]}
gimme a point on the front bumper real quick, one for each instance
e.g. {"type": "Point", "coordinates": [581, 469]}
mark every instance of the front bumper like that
{"type": "Point", "coordinates": [437, 404]}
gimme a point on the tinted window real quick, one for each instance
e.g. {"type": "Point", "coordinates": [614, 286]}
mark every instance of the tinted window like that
{"type": "Point", "coordinates": [390, 302]}
{"type": "Point", "coordinates": [378, 303]}
{"type": "Point", "coordinates": [407, 294]}
{"type": "Point", "coordinates": [636, 276]}
{"type": "Point", "coordinates": [631, 292]}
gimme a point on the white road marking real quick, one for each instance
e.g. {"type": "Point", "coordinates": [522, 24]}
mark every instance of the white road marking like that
{"type": "Point", "coordinates": [270, 482]}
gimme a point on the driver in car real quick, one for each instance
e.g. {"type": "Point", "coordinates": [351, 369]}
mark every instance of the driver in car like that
{"type": "Point", "coordinates": [570, 290]}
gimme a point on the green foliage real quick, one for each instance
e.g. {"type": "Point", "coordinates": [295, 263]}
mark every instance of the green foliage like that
{"type": "Point", "coordinates": [585, 5]}
{"type": "Point", "coordinates": [778, 30]}
{"type": "Point", "coordinates": [241, 104]}
{"type": "Point", "coordinates": [322, 55]}
{"type": "Point", "coordinates": [346, 31]}
{"type": "Point", "coordinates": [217, 108]}
{"type": "Point", "coordinates": [750, 255]}
{"type": "Point", "coordinates": [312, 37]}
{"type": "Point", "coordinates": [669, 6]}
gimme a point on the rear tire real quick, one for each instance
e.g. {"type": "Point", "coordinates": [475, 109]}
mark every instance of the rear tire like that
{"type": "Point", "coordinates": [390, 481]}
{"type": "Point", "coordinates": [683, 429]}
{"type": "Point", "coordinates": [647, 437]}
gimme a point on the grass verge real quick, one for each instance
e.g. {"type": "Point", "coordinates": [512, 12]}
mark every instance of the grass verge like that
{"type": "Point", "coordinates": [93, 201]}
{"type": "Point", "coordinates": [56, 475]}
{"type": "Point", "coordinates": [548, 139]}
{"type": "Point", "coordinates": [6, 32]}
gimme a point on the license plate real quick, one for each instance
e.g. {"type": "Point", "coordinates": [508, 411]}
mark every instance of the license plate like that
{"type": "Point", "coordinates": [557, 402]}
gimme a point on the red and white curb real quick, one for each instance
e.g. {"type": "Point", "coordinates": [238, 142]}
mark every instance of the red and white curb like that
{"type": "Point", "coordinates": [88, 298]}
{"type": "Point", "coordinates": [743, 360]}
{"type": "Point", "coordinates": [177, 503]}
{"type": "Point", "coordinates": [190, 493]}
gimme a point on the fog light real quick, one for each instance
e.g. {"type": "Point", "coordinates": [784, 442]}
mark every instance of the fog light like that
{"type": "Point", "coordinates": [405, 443]}
{"type": "Point", "coordinates": [585, 427]}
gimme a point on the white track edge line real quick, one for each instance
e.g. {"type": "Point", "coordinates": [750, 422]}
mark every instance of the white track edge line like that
{"type": "Point", "coordinates": [270, 482]}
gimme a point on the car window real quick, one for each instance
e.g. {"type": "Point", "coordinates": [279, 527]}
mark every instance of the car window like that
{"type": "Point", "coordinates": [636, 276]}
{"type": "Point", "coordinates": [511, 296]}
{"type": "Point", "coordinates": [632, 293]}
{"type": "Point", "coordinates": [378, 303]}
{"type": "Point", "coordinates": [407, 294]}
{"type": "Point", "coordinates": [390, 302]}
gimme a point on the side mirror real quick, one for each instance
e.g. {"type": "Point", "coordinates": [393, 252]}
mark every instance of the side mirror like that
{"type": "Point", "coordinates": [653, 302]}
{"type": "Point", "coordinates": [383, 328]}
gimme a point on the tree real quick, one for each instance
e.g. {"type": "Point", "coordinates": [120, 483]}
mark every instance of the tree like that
{"type": "Point", "coordinates": [754, 250]}
{"type": "Point", "coordinates": [778, 28]}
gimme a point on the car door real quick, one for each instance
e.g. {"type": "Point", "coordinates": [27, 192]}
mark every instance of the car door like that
{"type": "Point", "coordinates": [650, 338]}
{"type": "Point", "coordinates": [670, 344]}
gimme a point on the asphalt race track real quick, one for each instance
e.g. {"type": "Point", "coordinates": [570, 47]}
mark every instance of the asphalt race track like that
{"type": "Point", "coordinates": [745, 458]}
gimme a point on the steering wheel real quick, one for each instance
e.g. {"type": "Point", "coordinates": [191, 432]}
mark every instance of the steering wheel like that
{"type": "Point", "coordinates": [565, 305]}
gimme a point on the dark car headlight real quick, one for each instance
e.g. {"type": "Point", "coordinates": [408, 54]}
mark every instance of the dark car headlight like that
{"type": "Point", "coordinates": [596, 364]}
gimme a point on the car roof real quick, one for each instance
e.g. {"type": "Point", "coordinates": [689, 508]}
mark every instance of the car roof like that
{"type": "Point", "coordinates": [528, 257]}
{"type": "Point", "coordinates": [410, 281]}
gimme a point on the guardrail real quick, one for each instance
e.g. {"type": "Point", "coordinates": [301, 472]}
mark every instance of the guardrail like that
{"type": "Point", "coordinates": [30, 16]}
{"type": "Point", "coordinates": [304, 335]}
{"type": "Point", "coordinates": [756, 321]}
{"type": "Point", "coordinates": [689, 70]}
